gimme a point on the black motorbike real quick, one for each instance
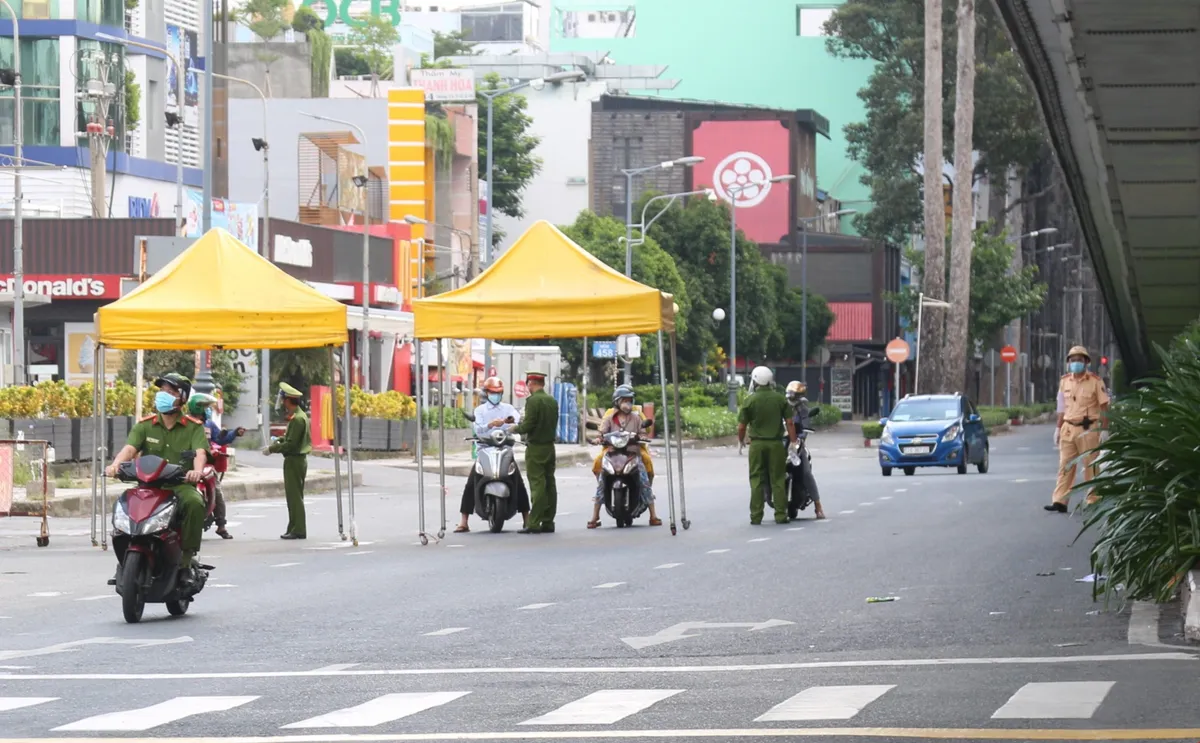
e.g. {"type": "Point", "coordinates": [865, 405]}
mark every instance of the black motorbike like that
{"type": "Point", "coordinates": [798, 460]}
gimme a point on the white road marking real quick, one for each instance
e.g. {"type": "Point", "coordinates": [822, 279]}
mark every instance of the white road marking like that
{"type": "Point", "coordinates": [1143, 623]}
{"type": "Point", "coordinates": [604, 707]}
{"type": "Point", "coordinates": [287, 565]}
{"type": "Point", "coordinates": [1055, 700]}
{"type": "Point", "coordinates": [718, 552]}
{"type": "Point", "coordinates": [885, 497]}
{"type": "Point", "coordinates": [621, 669]}
{"type": "Point", "coordinates": [668, 565]}
{"type": "Point", "coordinates": [825, 703]}
{"type": "Point", "coordinates": [371, 552]}
{"type": "Point", "coordinates": [845, 513]}
{"type": "Point", "coordinates": [252, 516]}
{"type": "Point", "coordinates": [610, 585]}
{"type": "Point", "coordinates": [221, 585]}
{"type": "Point", "coordinates": [97, 598]}
{"type": "Point", "coordinates": [531, 607]}
{"type": "Point", "coordinates": [338, 667]}
{"type": "Point", "coordinates": [869, 503]}
{"type": "Point", "coordinates": [147, 718]}
{"type": "Point", "coordinates": [386, 708]}
{"type": "Point", "coordinates": [11, 703]}
{"type": "Point", "coordinates": [1023, 479]}
{"type": "Point", "coordinates": [760, 539]}
{"type": "Point", "coordinates": [1022, 448]}
{"type": "Point", "coordinates": [46, 594]}
{"type": "Point", "coordinates": [901, 490]}
{"type": "Point", "coordinates": [796, 528]}
{"type": "Point", "coordinates": [446, 631]}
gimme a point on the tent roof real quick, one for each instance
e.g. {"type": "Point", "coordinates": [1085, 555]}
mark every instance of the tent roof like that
{"type": "Point", "coordinates": [545, 286]}
{"type": "Point", "coordinates": [221, 294]}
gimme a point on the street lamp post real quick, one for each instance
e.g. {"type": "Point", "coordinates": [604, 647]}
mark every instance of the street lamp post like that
{"type": "Point", "coordinates": [804, 221]}
{"type": "Point", "coordinates": [1008, 328]}
{"type": "Point", "coordinates": [733, 192]}
{"type": "Point", "coordinates": [361, 182]}
{"type": "Point", "coordinates": [18, 211]}
{"type": "Point", "coordinates": [264, 249]}
{"type": "Point", "coordinates": [491, 96]}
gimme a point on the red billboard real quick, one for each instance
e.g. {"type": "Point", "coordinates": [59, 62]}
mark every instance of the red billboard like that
{"type": "Point", "coordinates": [740, 157]}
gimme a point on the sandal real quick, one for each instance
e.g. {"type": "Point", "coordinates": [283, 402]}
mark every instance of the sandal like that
{"type": "Point", "coordinates": [593, 524]}
{"type": "Point", "coordinates": [223, 534]}
{"type": "Point", "coordinates": [461, 529]}
{"type": "Point", "coordinates": [655, 522]}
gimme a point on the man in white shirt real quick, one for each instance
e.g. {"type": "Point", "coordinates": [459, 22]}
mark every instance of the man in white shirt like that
{"type": "Point", "coordinates": [491, 414]}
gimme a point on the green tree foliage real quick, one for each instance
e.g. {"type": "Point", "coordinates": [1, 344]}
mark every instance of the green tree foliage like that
{"type": "Point", "coordinates": [514, 163]}
{"type": "Point", "coordinates": [305, 19]}
{"type": "Point", "coordinates": [158, 363]}
{"type": "Point", "coordinates": [452, 45]}
{"type": "Point", "coordinates": [375, 38]}
{"type": "Point", "coordinates": [264, 17]}
{"type": "Point", "coordinates": [1008, 131]}
{"type": "Point", "coordinates": [322, 49]}
{"type": "Point", "coordinates": [133, 101]}
{"type": "Point", "coordinates": [997, 296]}
{"type": "Point", "coordinates": [349, 62]}
{"type": "Point", "coordinates": [300, 367]}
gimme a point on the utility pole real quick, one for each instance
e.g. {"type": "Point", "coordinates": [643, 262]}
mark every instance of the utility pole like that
{"type": "Point", "coordinates": [97, 91]}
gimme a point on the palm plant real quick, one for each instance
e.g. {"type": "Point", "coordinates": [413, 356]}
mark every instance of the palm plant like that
{"type": "Point", "coordinates": [1148, 514]}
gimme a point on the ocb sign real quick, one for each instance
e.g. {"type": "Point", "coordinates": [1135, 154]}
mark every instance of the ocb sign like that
{"type": "Point", "coordinates": [338, 11]}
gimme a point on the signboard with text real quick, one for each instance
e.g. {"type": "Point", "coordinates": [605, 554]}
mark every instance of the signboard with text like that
{"type": "Point", "coordinates": [75, 286]}
{"type": "Point", "coordinates": [445, 85]}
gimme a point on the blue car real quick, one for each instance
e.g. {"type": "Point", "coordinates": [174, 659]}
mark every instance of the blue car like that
{"type": "Point", "coordinates": [933, 431]}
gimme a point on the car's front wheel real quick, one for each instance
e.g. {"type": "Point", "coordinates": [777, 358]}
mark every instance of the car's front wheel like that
{"type": "Point", "coordinates": [962, 463]}
{"type": "Point", "coordinates": [985, 462]}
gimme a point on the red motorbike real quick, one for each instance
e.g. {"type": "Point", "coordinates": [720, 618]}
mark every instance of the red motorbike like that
{"type": "Point", "coordinates": [146, 536]}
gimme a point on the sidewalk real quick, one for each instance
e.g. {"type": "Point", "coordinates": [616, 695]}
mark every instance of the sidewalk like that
{"type": "Point", "coordinates": [460, 463]}
{"type": "Point", "coordinates": [243, 483]}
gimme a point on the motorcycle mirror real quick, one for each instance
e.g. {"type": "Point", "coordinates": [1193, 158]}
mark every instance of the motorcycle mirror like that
{"type": "Point", "coordinates": [647, 423]}
{"type": "Point", "coordinates": [469, 415]}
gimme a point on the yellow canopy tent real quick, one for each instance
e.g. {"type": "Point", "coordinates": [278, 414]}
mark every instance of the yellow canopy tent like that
{"type": "Point", "coordinates": [545, 286]}
{"type": "Point", "coordinates": [221, 294]}
{"type": "Point", "coordinates": [218, 294]}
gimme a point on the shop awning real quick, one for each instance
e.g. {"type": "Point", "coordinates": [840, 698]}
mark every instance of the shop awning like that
{"type": "Point", "coordinates": [545, 286]}
{"type": "Point", "coordinates": [221, 294]}
{"type": "Point", "coordinates": [393, 322]}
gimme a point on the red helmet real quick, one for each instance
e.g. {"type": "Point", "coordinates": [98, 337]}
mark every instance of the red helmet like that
{"type": "Point", "coordinates": [493, 384]}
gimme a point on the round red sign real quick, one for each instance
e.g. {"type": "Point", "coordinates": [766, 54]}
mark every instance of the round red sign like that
{"type": "Point", "coordinates": [1008, 354]}
{"type": "Point", "coordinates": [897, 351]}
{"type": "Point", "coordinates": [520, 390]}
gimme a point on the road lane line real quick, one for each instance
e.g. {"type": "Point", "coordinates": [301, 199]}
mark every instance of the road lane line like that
{"type": "Point", "coordinates": [760, 539]}
{"type": "Point", "coordinates": [604, 707]}
{"type": "Point", "coordinates": [1055, 700]}
{"type": "Point", "coordinates": [718, 552]}
{"type": "Point", "coordinates": [147, 718]}
{"type": "Point", "coordinates": [845, 513]}
{"type": "Point", "coordinates": [668, 565]}
{"type": "Point", "coordinates": [885, 497]}
{"type": "Point", "coordinates": [610, 585]}
{"type": "Point", "coordinates": [446, 631]}
{"type": "Point", "coordinates": [11, 703]}
{"type": "Point", "coordinates": [97, 598]}
{"type": "Point", "coordinates": [825, 703]}
{"type": "Point", "coordinates": [531, 607]}
{"type": "Point", "coordinates": [286, 565]}
{"type": "Point", "coordinates": [387, 708]}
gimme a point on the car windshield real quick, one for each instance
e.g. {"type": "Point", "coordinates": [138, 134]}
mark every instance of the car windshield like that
{"type": "Point", "coordinates": [925, 410]}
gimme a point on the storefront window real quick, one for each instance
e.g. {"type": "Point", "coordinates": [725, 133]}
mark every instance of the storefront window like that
{"type": "Point", "coordinates": [39, 89]}
{"type": "Point", "coordinates": [106, 62]}
{"type": "Point", "coordinates": [37, 9]}
{"type": "Point", "coordinates": [104, 12]}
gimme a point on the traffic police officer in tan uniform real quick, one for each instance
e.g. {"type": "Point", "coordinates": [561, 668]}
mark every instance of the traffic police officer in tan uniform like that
{"type": "Point", "coordinates": [1082, 404]}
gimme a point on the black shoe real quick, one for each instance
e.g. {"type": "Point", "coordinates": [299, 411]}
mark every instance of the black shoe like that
{"type": "Point", "coordinates": [1059, 507]}
{"type": "Point", "coordinates": [291, 536]}
{"type": "Point", "coordinates": [547, 528]}
{"type": "Point", "coordinates": [529, 530]}
{"type": "Point", "coordinates": [187, 577]}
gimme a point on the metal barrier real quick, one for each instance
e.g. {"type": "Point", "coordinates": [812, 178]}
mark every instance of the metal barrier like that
{"type": "Point", "coordinates": [27, 461]}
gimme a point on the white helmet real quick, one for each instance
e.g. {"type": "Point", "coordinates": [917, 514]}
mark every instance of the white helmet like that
{"type": "Point", "coordinates": [762, 377]}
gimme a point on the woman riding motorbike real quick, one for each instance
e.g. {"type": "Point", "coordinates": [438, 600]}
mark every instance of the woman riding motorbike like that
{"type": "Point", "coordinates": [623, 417]}
{"type": "Point", "coordinates": [795, 396]}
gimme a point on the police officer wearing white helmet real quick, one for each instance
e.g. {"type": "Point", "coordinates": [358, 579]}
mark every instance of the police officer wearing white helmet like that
{"type": "Point", "coordinates": [765, 415]}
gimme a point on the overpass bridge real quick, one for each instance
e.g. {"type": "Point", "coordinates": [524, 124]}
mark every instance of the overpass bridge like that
{"type": "Point", "coordinates": [1119, 84]}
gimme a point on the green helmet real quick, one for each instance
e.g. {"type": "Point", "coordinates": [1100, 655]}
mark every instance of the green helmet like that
{"type": "Point", "coordinates": [198, 402]}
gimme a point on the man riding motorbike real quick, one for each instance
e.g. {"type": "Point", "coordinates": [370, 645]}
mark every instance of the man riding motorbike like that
{"type": "Point", "coordinates": [623, 417]}
{"type": "Point", "coordinates": [200, 406]}
{"type": "Point", "coordinates": [795, 396]}
{"type": "Point", "coordinates": [168, 434]}
{"type": "Point", "coordinates": [492, 413]}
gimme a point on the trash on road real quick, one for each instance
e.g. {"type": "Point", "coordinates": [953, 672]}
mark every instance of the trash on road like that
{"type": "Point", "coordinates": [1045, 575]}
{"type": "Point", "coordinates": [882, 599]}
{"type": "Point", "coordinates": [1070, 644]}
{"type": "Point", "coordinates": [1093, 578]}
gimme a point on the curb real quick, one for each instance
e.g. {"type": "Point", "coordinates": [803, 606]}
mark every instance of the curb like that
{"type": "Point", "coordinates": [1191, 606]}
{"type": "Point", "coordinates": [81, 505]}
{"type": "Point", "coordinates": [463, 469]}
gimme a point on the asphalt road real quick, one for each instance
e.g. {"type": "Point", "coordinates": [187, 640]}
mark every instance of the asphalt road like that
{"type": "Point", "coordinates": [724, 631]}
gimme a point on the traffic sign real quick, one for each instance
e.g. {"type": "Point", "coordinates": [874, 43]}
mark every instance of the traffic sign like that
{"type": "Point", "coordinates": [604, 349]}
{"type": "Point", "coordinates": [1008, 354]}
{"type": "Point", "coordinates": [520, 389]}
{"type": "Point", "coordinates": [897, 351]}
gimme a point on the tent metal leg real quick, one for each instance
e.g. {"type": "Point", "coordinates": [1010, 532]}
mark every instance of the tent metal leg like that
{"type": "Point", "coordinates": [97, 463]}
{"type": "Point", "coordinates": [683, 519]}
{"type": "Point", "coordinates": [442, 436]}
{"type": "Point", "coordinates": [337, 442]}
{"type": "Point", "coordinates": [103, 456]}
{"type": "Point", "coordinates": [349, 446]}
{"type": "Point", "coordinates": [420, 384]}
{"type": "Point", "coordinates": [662, 378]}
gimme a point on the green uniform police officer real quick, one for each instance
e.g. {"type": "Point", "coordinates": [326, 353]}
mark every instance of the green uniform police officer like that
{"type": "Point", "coordinates": [764, 416]}
{"type": "Point", "coordinates": [295, 446]}
{"type": "Point", "coordinates": [168, 434]}
{"type": "Point", "coordinates": [539, 426]}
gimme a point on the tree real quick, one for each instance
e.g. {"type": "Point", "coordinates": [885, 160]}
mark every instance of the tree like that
{"type": "Point", "coordinates": [375, 38]}
{"type": "Point", "coordinates": [300, 367]}
{"type": "Point", "coordinates": [513, 163]}
{"type": "Point", "coordinates": [997, 296]}
{"type": "Point", "coordinates": [935, 213]}
{"type": "Point", "coordinates": [157, 363]}
{"type": "Point", "coordinates": [306, 19]}
{"type": "Point", "coordinates": [452, 45]}
{"type": "Point", "coordinates": [265, 19]}
{"type": "Point", "coordinates": [955, 350]}
{"type": "Point", "coordinates": [349, 63]}
{"type": "Point", "coordinates": [133, 101]}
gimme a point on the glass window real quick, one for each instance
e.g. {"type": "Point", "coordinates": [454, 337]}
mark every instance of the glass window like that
{"type": "Point", "coordinates": [38, 9]}
{"type": "Point", "coordinates": [39, 90]}
{"type": "Point", "coordinates": [938, 409]}
{"type": "Point", "coordinates": [103, 12]}
{"type": "Point", "coordinates": [811, 21]}
{"type": "Point", "coordinates": [493, 27]}
{"type": "Point", "coordinates": [101, 61]}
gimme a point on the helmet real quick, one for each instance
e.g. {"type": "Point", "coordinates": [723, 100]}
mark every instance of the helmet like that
{"type": "Point", "coordinates": [624, 392]}
{"type": "Point", "coordinates": [762, 377]}
{"type": "Point", "coordinates": [795, 391]}
{"type": "Point", "coordinates": [198, 402]}
{"type": "Point", "coordinates": [181, 383]}
{"type": "Point", "coordinates": [1079, 351]}
{"type": "Point", "coordinates": [493, 384]}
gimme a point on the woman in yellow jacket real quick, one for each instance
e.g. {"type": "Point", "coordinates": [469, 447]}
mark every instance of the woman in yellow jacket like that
{"type": "Point", "coordinates": [623, 417]}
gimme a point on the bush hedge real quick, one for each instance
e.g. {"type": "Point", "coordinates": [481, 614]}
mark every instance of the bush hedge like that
{"type": "Point", "coordinates": [60, 400]}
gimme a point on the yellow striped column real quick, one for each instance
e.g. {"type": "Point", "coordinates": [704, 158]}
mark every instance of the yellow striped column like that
{"type": "Point", "coordinates": [407, 175]}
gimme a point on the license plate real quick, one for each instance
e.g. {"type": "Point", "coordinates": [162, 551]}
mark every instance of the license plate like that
{"type": "Point", "coordinates": [918, 450]}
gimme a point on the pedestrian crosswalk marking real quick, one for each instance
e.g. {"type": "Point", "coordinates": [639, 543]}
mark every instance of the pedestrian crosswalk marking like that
{"type": "Point", "coordinates": [1059, 700]}
{"type": "Point", "coordinates": [604, 707]}
{"type": "Point", "coordinates": [146, 718]}
{"type": "Point", "coordinates": [387, 708]}
{"type": "Point", "coordinates": [10, 703]}
{"type": "Point", "coordinates": [825, 703]}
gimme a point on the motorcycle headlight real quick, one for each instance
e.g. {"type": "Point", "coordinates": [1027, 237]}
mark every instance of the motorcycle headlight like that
{"type": "Point", "coordinates": [608, 466]}
{"type": "Point", "coordinates": [630, 466]}
{"type": "Point", "coordinates": [120, 519]}
{"type": "Point", "coordinates": [479, 467]}
{"type": "Point", "coordinates": [887, 437]}
{"type": "Point", "coordinates": [952, 433]}
{"type": "Point", "coordinates": [159, 521]}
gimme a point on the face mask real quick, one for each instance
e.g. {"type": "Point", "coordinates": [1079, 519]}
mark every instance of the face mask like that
{"type": "Point", "coordinates": [626, 407]}
{"type": "Point", "coordinates": [494, 398]}
{"type": "Point", "coordinates": [208, 414]}
{"type": "Point", "coordinates": [1076, 367]}
{"type": "Point", "coordinates": [164, 402]}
